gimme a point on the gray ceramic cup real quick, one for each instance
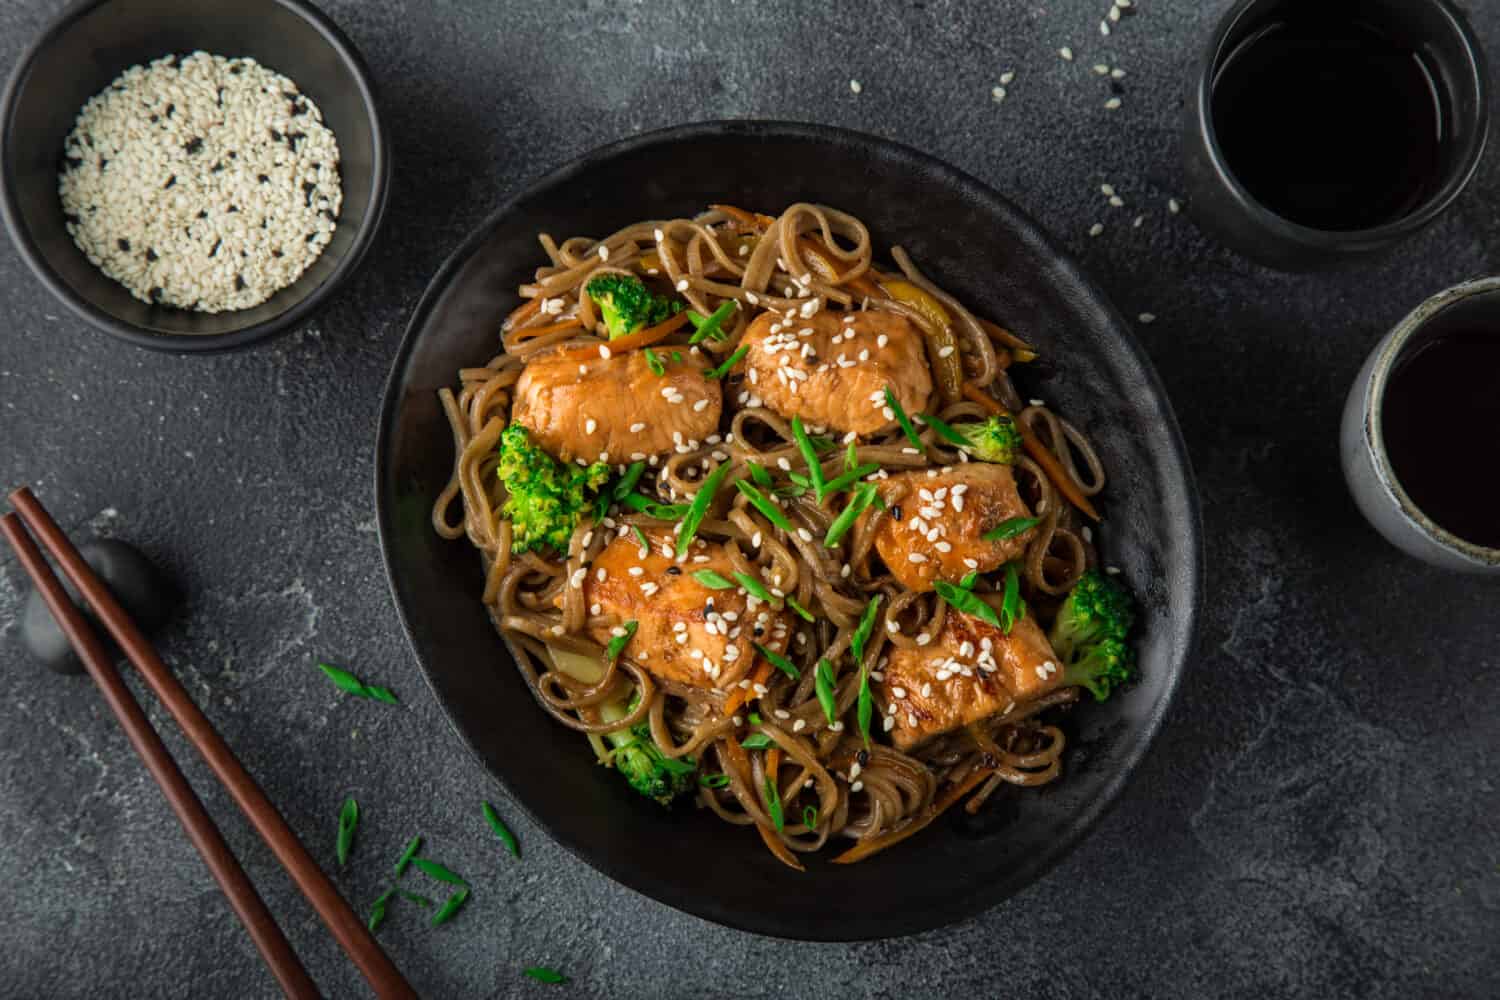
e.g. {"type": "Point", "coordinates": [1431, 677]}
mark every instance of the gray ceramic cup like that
{"type": "Point", "coordinates": [1367, 467]}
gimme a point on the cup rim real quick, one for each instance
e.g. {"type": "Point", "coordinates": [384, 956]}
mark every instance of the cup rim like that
{"type": "Point", "coordinates": [1383, 363]}
{"type": "Point", "coordinates": [1356, 240]}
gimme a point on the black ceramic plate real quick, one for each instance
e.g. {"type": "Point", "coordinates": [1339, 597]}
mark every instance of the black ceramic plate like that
{"type": "Point", "coordinates": [979, 247]}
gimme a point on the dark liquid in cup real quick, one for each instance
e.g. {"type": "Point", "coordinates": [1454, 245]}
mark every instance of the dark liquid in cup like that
{"type": "Point", "coordinates": [1441, 424]}
{"type": "Point", "coordinates": [1329, 122]}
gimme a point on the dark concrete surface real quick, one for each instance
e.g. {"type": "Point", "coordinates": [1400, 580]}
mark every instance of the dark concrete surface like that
{"type": "Point", "coordinates": [1319, 817]}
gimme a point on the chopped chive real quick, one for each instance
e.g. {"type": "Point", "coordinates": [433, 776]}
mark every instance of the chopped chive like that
{"type": "Point", "coordinates": [822, 443]}
{"type": "Point", "coordinates": [824, 683]}
{"type": "Point", "coordinates": [1010, 604]}
{"type": "Point", "coordinates": [728, 364]}
{"type": "Point", "coordinates": [863, 629]}
{"type": "Point", "coordinates": [755, 587]}
{"type": "Point", "coordinates": [414, 897]}
{"type": "Point", "coordinates": [716, 780]}
{"type": "Point", "coordinates": [710, 326]}
{"type": "Point", "coordinates": [617, 644]}
{"type": "Point", "coordinates": [944, 431]}
{"type": "Point", "coordinates": [654, 363]}
{"type": "Point", "coordinates": [412, 847]}
{"type": "Point", "coordinates": [966, 602]}
{"type": "Point", "coordinates": [640, 536]}
{"type": "Point", "coordinates": [806, 614]}
{"type": "Point", "coordinates": [438, 871]}
{"type": "Point", "coordinates": [903, 419]}
{"type": "Point", "coordinates": [810, 817]}
{"type": "Point", "coordinates": [759, 474]}
{"type": "Point", "coordinates": [348, 820]}
{"type": "Point", "coordinates": [755, 718]}
{"type": "Point", "coordinates": [712, 580]}
{"type": "Point", "coordinates": [766, 507]}
{"type": "Point", "coordinates": [349, 684]}
{"type": "Point", "coordinates": [450, 906]}
{"type": "Point", "coordinates": [851, 457]}
{"type": "Point", "coordinates": [970, 578]}
{"type": "Point", "coordinates": [379, 693]}
{"type": "Point", "coordinates": [757, 741]}
{"type": "Point", "coordinates": [800, 480]}
{"type": "Point", "coordinates": [848, 479]}
{"type": "Point", "coordinates": [699, 509]}
{"type": "Point", "coordinates": [542, 974]}
{"type": "Point", "coordinates": [773, 805]}
{"type": "Point", "coordinates": [1010, 528]}
{"type": "Point", "coordinates": [814, 465]}
{"type": "Point", "coordinates": [861, 499]}
{"type": "Point", "coordinates": [676, 357]}
{"type": "Point", "coordinates": [674, 766]}
{"type": "Point", "coordinates": [645, 505]}
{"type": "Point", "coordinates": [377, 909]}
{"type": "Point", "coordinates": [501, 830]}
{"type": "Point", "coordinates": [784, 492]}
{"type": "Point", "coordinates": [779, 662]}
{"type": "Point", "coordinates": [866, 707]}
{"type": "Point", "coordinates": [627, 482]}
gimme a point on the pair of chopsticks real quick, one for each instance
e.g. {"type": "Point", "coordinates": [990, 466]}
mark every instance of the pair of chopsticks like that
{"type": "Point", "coordinates": [358, 943]}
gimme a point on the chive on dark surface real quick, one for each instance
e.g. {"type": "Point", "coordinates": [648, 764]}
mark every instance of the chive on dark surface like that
{"type": "Point", "coordinates": [501, 830]}
{"type": "Point", "coordinates": [862, 631]}
{"type": "Point", "coordinates": [759, 474]}
{"type": "Point", "coordinates": [438, 871]}
{"type": "Point", "coordinates": [773, 805]}
{"type": "Point", "coordinates": [824, 681]}
{"type": "Point", "coordinates": [810, 456]}
{"type": "Point", "coordinates": [348, 821]}
{"type": "Point", "coordinates": [349, 684]}
{"type": "Point", "coordinates": [450, 907]}
{"type": "Point", "coordinates": [698, 509]}
{"type": "Point", "coordinates": [412, 847]}
{"type": "Point", "coordinates": [542, 974]}
{"type": "Point", "coordinates": [711, 325]}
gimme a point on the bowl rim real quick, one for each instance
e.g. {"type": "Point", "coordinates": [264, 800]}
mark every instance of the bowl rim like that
{"type": "Point", "coordinates": [210, 343]}
{"type": "Point", "coordinates": [1185, 631]}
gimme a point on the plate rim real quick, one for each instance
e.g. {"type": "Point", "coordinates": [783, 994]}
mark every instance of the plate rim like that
{"type": "Point", "coordinates": [1087, 819]}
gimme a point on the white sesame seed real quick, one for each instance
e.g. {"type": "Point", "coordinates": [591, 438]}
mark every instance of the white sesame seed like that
{"type": "Point", "coordinates": [1007, 77]}
{"type": "Point", "coordinates": [1117, 202]}
{"type": "Point", "coordinates": [947, 351]}
{"type": "Point", "coordinates": [590, 425]}
{"type": "Point", "coordinates": [1114, 14]}
{"type": "Point", "coordinates": [923, 638]}
{"type": "Point", "coordinates": [889, 723]}
{"type": "Point", "coordinates": [1117, 74]}
{"type": "Point", "coordinates": [1101, 69]}
{"type": "Point", "coordinates": [636, 428]}
{"type": "Point", "coordinates": [855, 86]}
{"type": "Point", "coordinates": [1147, 318]}
{"type": "Point", "coordinates": [1112, 570]}
{"type": "Point", "coordinates": [1140, 220]}
{"type": "Point", "coordinates": [1174, 206]}
{"type": "Point", "coordinates": [1096, 229]}
{"type": "Point", "coordinates": [1066, 53]}
{"type": "Point", "coordinates": [601, 574]}
{"type": "Point", "coordinates": [682, 284]}
{"type": "Point", "coordinates": [1104, 26]}
{"type": "Point", "coordinates": [997, 94]}
{"type": "Point", "coordinates": [604, 351]}
{"type": "Point", "coordinates": [916, 557]}
{"type": "Point", "coordinates": [635, 570]}
{"type": "Point", "coordinates": [1113, 104]}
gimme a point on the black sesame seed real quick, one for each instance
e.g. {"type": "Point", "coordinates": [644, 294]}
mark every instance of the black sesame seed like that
{"type": "Point", "coordinates": [151, 256]}
{"type": "Point", "coordinates": [863, 757]}
{"type": "Point", "coordinates": [275, 135]}
{"type": "Point", "coordinates": [239, 283]}
{"type": "Point", "coordinates": [155, 294]}
{"type": "Point", "coordinates": [103, 163]}
{"type": "Point", "coordinates": [1116, 87]}
{"type": "Point", "coordinates": [674, 570]}
{"type": "Point", "coordinates": [202, 213]}
{"type": "Point", "coordinates": [263, 178]}
{"type": "Point", "coordinates": [170, 181]}
{"type": "Point", "coordinates": [758, 631]}
{"type": "Point", "coordinates": [123, 244]}
{"type": "Point", "coordinates": [896, 511]}
{"type": "Point", "coordinates": [215, 251]}
{"type": "Point", "coordinates": [193, 145]}
{"type": "Point", "coordinates": [217, 167]}
{"type": "Point", "coordinates": [234, 208]}
{"type": "Point", "coordinates": [171, 110]}
{"type": "Point", "coordinates": [276, 252]}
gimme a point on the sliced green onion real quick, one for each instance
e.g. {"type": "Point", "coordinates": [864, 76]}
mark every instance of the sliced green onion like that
{"type": "Point", "coordinates": [773, 805]}
{"type": "Point", "coordinates": [438, 871]}
{"type": "Point", "coordinates": [377, 909]}
{"type": "Point", "coordinates": [676, 357]}
{"type": "Point", "coordinates": [728, 364]}
{"type": "Point", "coordinates": [810, 456]}
{"type": "Point", "coordinates": [944, 431]}
{"type": "Point", "coordinates": [349, 684]}
{"type": "Point", "coordinates": [699, 509]}
{"type": "Point", "coordinates": [617, 644]}
{"type": "Point", "coordinates": [542, 974]}
{"type": "Point", "coordinates": [716, 780]}
{"type": "Point", "coordinates": [709, 326]}
{"type": "Point", "coordinates": [759, 474]}
{"type": "Point", "coordinates": [785, 492]}
{"type": "Point", "coordinates": [755, 588]}
{"type": "Point", "coordinates": [851, 457]}
{"type": "Point", "coordinates": [810, 817]}
{"type": "Point", "coordinates": [903, 419]}
{"type": "Point", "coordinates": [848, 479]}
{"type": "Point", "coordinates": [1010, 604]}
{"type": "Point", "coordinates": [501, 830]}
{"type": "Point", "coordinates": [641, 537]}
{"type": "Point", "coordinates": [412, 847]}
{"type": "Point", "coordinates": [757, 741]}
{"type": "Point", "coordinates": [673, 765]}
{"type": "Point", "coordinates": [645, 505]}
{"type": "Point", "coordinates": [627, 482]}
{"type": "Point", "coordinates": [970, 578]}
{"type": "Point", "coordinates": [414, 897]}
{"type": "Point", "coordinates": [824, 683]}
{"type": "Point", "coordinates": [348, 820]}
{"type": "Point", "coordinates": [822, 443]}
{"type": "Point", "coordinates": [800, 480]}
{"type": "Point", "coordinates": [759, 502]}
{"type": "Point", "coordinates": [966, 602]}
{"type": "Point", "coordinates": [862, 498]}
{"type": "Point", "coordinates": [450, 906]}
{"type": "Point", "coordinates": [1010, 528]}
{"type": "Point", "coordinates": [866, 706]}
{"type": "Point", "coordinates": [806, 614]}
{"type": "Point", "coordinates": [379, 693]}
{"type": "Point", "coordinates": [779, 662]}
{"type": "Point", "coordinates": [755, 718]}
{"type": "Point", "coordinates": [654, 363]}
{"type": "Point", "coordinates": [712, 580]}
{"type": "Point", "coordinates": [862, 631]}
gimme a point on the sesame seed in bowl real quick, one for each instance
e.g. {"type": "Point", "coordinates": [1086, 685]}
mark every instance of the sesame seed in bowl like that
{"type": "Point", "coordinates": [224, 168]}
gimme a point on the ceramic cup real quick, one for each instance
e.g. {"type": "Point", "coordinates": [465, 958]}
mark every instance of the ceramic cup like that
{"type": "Point", "coordinates": [1367, 466]}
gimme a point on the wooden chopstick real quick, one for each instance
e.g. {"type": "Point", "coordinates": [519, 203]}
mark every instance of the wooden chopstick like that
{"type": "Point", "coordinates": [350, 932]}
{"type": "Point", "coordinates": [196, 822]}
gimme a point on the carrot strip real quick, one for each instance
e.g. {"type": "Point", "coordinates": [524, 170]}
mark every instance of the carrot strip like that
{"type": "Point", "coordinates": [876, 844]}
{"type": "Point", "coordinates": [648, 336]}
{"type": "Point", "coordinates": [745, 219]}
{"type": "Point", "coordinates": [778, 847]}
{"type": "Point", "coordinates": [1000, 335]}
{"type": "Point", "coordinates": [1040, 453]}
{"type": "Point", "coordinates": [522, 313]}
{"type": "Point", "coordinates": [532, 332]}
{"type": "Point", "coordinates": [759, 674]}
{"type": "Point", "coordinates": [773, 763]}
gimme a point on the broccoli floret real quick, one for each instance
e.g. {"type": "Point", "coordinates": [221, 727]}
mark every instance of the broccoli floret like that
{"type": "Point", "coordinates": [640, 760]}
{"type": "Point", "coordinates": [545, 497]}
{"type": "Point", "coordinates": [996, 440]}
{"type": "Point", "coordinates": [627, 304]}
{"type": "Point", "coordinates": [1089, 633]}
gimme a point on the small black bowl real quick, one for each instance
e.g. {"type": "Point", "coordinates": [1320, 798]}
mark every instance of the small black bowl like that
{"type": "Point", "coordinates": [978, 246]}
{"type": "Point", "coordinates": [90, 44]}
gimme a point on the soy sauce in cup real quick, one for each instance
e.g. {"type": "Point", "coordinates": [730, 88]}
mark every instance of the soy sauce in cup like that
{"type": "Point", "coordinates": [1440, 419]}
{"type": "Point", "coordinates": [1330, 120]}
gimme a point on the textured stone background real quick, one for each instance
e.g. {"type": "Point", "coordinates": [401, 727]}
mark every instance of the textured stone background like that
{"type": "Point", "coordinates": [1318, 818]}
